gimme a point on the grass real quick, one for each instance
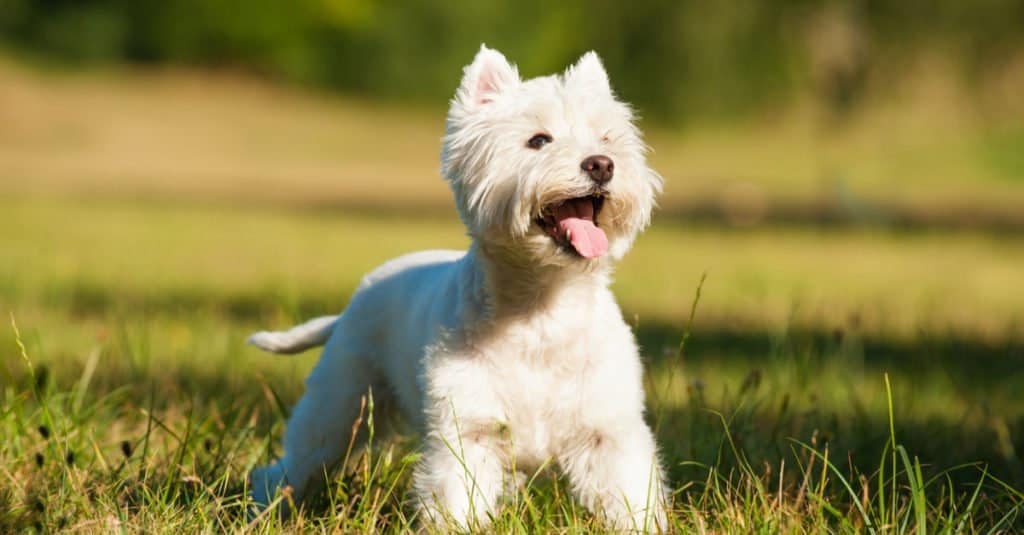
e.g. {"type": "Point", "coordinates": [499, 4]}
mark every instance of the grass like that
{"type": "Point", "coordinates": [765, 279]}
{"type": "Point", "coordinates": [929, 146]}
{"type": "Point", "coordinates": [132, 317]}
{"type": "Point", "coordinates": [828, 379]}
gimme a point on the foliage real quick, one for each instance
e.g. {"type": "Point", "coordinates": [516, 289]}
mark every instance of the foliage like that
{"type": "Point", "coordinates": [672, 58]}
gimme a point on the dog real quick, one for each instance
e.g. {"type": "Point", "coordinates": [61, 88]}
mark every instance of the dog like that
{"type": "Point", "coordinates": [513, 353]}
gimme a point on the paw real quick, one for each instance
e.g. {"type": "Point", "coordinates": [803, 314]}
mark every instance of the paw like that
{"type": "Point", "coordinates": [265, 483]}
{"type": "Point", "coordinates": [650, 518]}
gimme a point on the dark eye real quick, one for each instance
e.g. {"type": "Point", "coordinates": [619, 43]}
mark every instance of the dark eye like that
{"type": "Point", "coordinates": [538, 141]}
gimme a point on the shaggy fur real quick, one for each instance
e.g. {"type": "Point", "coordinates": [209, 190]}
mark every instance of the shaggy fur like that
{"type": "Point", "coordinates": [514, 353]}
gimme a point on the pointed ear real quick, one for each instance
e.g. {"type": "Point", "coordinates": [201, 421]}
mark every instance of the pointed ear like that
{"type": "Point", "coordinates": [488, 75]}
{"type": "Point", "coordinates": [589, 72]}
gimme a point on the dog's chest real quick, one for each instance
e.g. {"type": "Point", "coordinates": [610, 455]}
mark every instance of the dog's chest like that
{"type": "Point", "coordinates": [543, 383]}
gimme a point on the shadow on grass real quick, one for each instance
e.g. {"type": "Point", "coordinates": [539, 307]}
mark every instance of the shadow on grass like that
{"type": "Point", "coordinates": [732, 446]}
{"type": "Point", "coordinates": [957, 400]}
{"type": "Point", "coordinates": [763, 427]}
{"type": "Point", "coordinates": [971, 361]}
{"type": "Point", "coordinates": [831, 210]}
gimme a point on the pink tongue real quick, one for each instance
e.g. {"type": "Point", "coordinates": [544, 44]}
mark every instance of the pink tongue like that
{"type": "Point", "coordinates": [577, 217]}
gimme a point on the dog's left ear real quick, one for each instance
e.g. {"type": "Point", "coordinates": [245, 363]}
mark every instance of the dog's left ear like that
{"type": "Point", "coordinates": [488, 75]}
{"type": "Point", "coordinates": [588, 72]}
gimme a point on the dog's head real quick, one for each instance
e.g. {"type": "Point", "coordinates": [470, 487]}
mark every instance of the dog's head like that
{"type": "Point", "coordinates": [552, 168]}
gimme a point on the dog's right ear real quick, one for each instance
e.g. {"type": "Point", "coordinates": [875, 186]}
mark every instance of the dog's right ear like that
{"type": "Point", "coordinates": [488, 75]}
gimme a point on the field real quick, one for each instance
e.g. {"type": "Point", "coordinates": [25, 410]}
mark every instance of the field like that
{"type": "Point", "coordinates": [859, 377]}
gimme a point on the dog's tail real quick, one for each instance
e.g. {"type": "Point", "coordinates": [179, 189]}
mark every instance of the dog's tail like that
{"type": "Point", "coordinates": [313, 333]}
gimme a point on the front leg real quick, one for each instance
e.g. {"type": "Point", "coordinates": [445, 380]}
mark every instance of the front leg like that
{"type": "Point", "coordinates": [615, 473]}
{"type": "Point", "coordinates": [459, 478]}
{"type": "Point", "coordinates": [458, 481]}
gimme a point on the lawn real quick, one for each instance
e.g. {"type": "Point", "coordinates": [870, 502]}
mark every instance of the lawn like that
{"type": "Point", "coordinates": [133, 316]}
{"type": "Point", "coordinates": [864, 378]}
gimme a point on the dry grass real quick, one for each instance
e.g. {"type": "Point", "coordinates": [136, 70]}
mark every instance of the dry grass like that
{"type": "Point", "coordinates": [183, 134]}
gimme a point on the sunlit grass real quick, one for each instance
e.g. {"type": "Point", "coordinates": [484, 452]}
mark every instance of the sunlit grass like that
{"type": "Point", "coordinates": [133, 317]}
{"type": "Point", "coordinates": [191, 134]}
{"type": "Point", "coordinates": [889, 283]}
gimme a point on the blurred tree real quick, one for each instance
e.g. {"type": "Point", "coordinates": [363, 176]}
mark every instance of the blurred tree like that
{"type": "Point", "coordinates": [673, 58]}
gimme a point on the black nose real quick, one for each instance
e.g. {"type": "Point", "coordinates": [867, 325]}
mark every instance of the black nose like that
{"type": "Point", "coordinates": [599, 167]}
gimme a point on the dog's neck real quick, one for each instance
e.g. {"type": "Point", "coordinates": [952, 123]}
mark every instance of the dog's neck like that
{"type": "Point", "coordinates": [510, 286]}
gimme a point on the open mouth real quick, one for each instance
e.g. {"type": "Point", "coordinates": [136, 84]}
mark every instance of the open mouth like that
{"type": "Point", "coordinates": [572, 223]}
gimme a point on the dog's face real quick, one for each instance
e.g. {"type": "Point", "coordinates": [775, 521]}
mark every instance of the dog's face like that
{"type": "Point", "coordinates": [551, 169]}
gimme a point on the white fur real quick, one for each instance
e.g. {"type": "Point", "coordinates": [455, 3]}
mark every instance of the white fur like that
{"type": "Point", "coordinates": [515, 353]}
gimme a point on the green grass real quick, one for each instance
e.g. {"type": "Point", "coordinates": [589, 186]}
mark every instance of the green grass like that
{"type": "Point", "coordinates": [95, 256]}
{"type": "Point", "coordinates": [135, 404]}
{"type": "Point", "coordinates": [833, 380]}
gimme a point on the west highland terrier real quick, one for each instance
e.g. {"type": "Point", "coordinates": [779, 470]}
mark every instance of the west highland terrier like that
{"type": "Point", "coordinates": [514, 354]}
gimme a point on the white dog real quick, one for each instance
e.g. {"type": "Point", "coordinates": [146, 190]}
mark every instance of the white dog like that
{"type": "Point", "coordinates": [514, 353]}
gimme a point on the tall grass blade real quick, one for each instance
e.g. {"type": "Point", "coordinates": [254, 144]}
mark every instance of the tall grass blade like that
{"type": "Point", "coordinates": [913, 471]}
{"type": "Point", "coordinates": [892, 450]}
{"type": "Point", "coordinates": [854, 498]}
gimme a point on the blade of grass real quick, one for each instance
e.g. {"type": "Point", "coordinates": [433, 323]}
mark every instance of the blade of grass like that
{"type": "Point", "coordinates": [892, 444]}
{"type": "Point", "coordinates": [849, 488]}
{"type": "Point", "coordinates": [677, 362]}
{"type": "Point", "coordinates": [916, 490]}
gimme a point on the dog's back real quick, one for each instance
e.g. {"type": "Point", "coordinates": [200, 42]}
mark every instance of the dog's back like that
{"type": "Point", "coordinates": [420, 267]}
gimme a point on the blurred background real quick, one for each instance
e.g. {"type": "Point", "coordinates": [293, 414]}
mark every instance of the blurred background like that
{"type": "Point", "coordinates": [849, 175]}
